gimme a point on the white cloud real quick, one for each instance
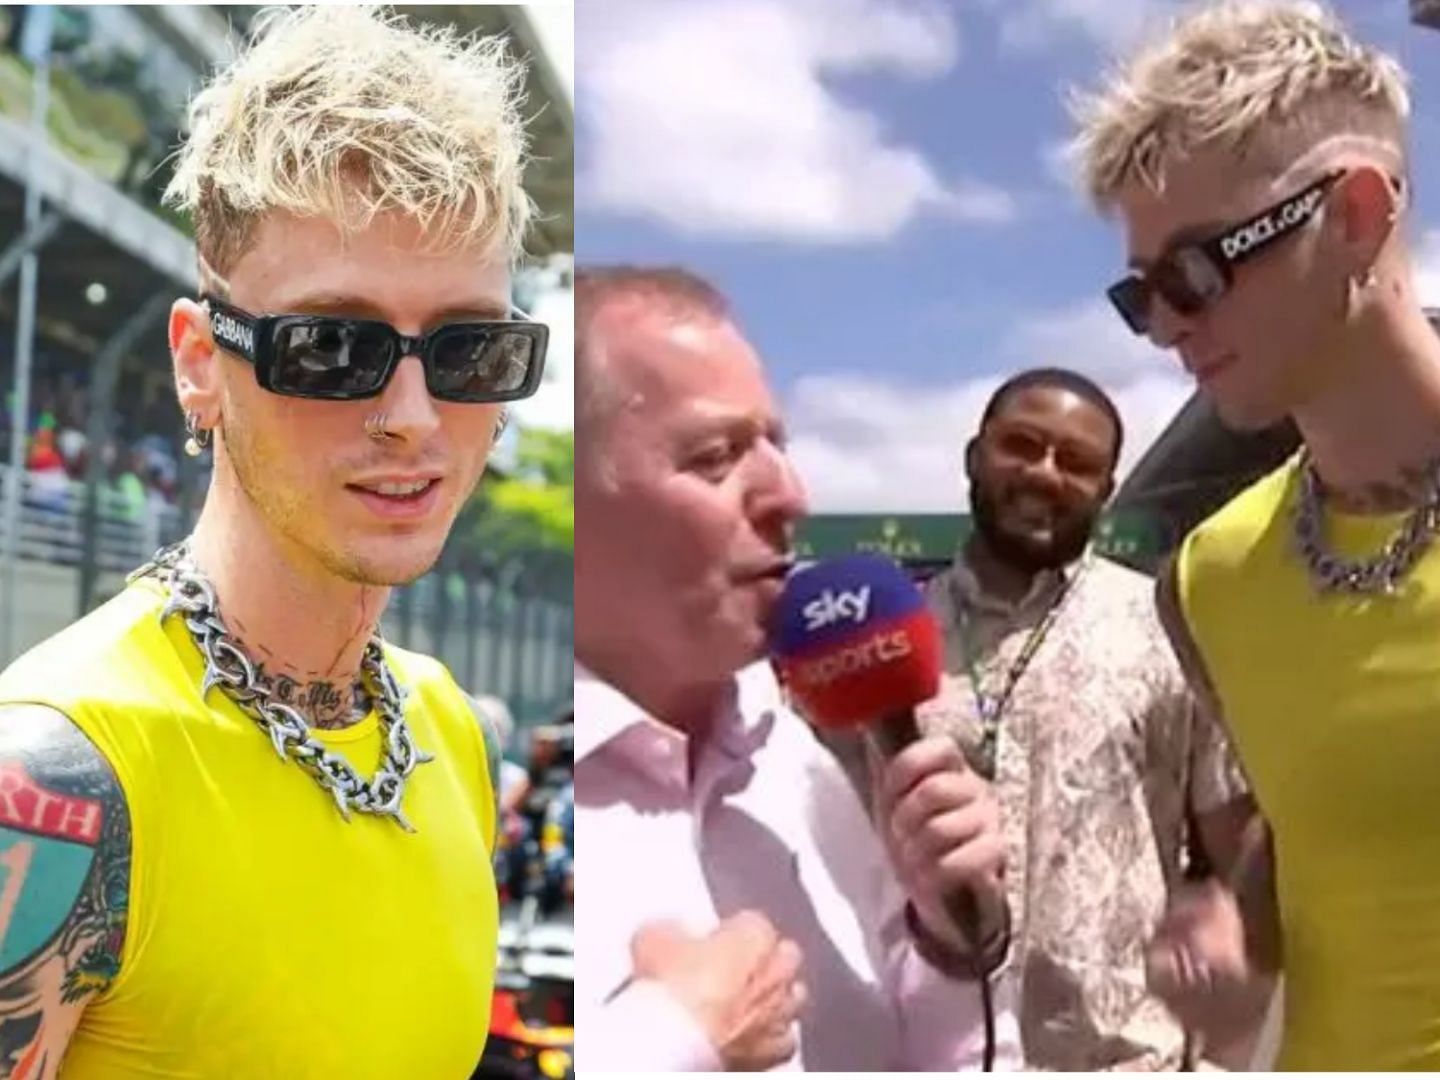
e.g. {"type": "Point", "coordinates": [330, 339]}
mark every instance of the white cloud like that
{"type": "Point", "coordinates": [1111, 24]}
{"type": "Point", "coordinates": [872, 445]}
{"type": "Point", "coordinates": [1055, 161]}
{"type": "Point", "coordinates": [974, 200]}
{"type": "Point", "coordinates": [867, 445]}
{"type": "Point", "coordinates": [716, 118]}
{"type": "Point", "coordinates": [1089, 337]}
{"type": "Point", "coordinates": [1427, 268]}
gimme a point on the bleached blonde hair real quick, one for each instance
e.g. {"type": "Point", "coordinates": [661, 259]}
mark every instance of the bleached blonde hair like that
{"type": "Point", "coordinates": [1266, 79]}
{"type": "Point", "coordinates": [346, 112]}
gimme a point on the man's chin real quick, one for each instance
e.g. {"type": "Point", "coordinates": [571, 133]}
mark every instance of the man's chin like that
{"type": "Point", "coordinates": [754, 646]}
{"type": "Point", "coordinates": [749, 644]}
{"type": "Point", "coordinates": [388, 567]}
{"type": "Point", "coordinates": [1035, 554]}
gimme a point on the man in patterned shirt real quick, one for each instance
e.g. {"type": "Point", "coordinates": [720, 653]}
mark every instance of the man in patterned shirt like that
{"type": "Point", "coordinates": [1100, 759]}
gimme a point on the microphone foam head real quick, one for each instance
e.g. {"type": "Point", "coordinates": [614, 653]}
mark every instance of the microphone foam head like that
{"type": "Point", "coordinates": [854, 642]}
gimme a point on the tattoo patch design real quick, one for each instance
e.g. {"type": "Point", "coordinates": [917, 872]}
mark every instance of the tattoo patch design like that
{"type": "Point", "coordinates": [64, 884]}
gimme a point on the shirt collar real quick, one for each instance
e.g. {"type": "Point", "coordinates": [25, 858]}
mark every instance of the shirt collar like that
{"type": "Point", "coordinates": [603, 713]}
{"type": "Point", "coordinates": [965, 587]}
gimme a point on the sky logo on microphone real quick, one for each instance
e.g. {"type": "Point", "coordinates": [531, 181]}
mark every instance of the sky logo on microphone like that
{"type": "Point", "coordinates": [833, 606]}
{"type": "Point", "coordinates": [853, 640]}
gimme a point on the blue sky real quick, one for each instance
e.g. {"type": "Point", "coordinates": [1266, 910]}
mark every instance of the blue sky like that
{"type": "Point", "coordinates": [876, 185]}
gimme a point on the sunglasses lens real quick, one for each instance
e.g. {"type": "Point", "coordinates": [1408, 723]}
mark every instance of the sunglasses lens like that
{"type": "Point", "coordinates": [1131, 298]}
{"type": "Point", "coordinates": [1189, 280]}
{"type": "Point", "coordinates": [483, 364]}
{"type": "Point", "coordinates": [330, 358]}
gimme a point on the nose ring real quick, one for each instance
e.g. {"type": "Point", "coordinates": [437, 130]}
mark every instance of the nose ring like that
{"type": "Point", "coordinates": [375, 427]}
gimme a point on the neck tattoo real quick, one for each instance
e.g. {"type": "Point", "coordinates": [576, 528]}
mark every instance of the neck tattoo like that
{"type": "Point", "coordinates": [1404, 491]}
{"type": "Point", "coordinates": [321, 702]}
{"type": "Point", "coordinates": [1381, 573]}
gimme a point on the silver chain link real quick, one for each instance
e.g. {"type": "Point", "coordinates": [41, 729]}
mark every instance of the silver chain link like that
{"type": "Point", "coordinates": [1381, 573]}
{"type": "Point", "coordinates": [228, 667]}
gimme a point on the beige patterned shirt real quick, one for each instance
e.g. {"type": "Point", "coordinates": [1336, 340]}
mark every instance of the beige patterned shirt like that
{"type": "Point", "coordinates": [1101, 755]}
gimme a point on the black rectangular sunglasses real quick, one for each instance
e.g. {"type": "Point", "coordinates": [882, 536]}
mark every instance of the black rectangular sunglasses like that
{"type": "Point", "coordinates": [1192, 276]}
{"type": "Point", "coordinates": [340, 359]}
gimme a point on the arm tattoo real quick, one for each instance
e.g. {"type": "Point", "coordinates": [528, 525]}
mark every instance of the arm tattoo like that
{"type": "Point", "coordinates": [64, 885]}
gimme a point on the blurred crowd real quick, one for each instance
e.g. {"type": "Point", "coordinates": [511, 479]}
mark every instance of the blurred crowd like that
{"type": "Point", "coordinates": [535, 855]}
{"type": "Point", "coordinates": [141, 473]}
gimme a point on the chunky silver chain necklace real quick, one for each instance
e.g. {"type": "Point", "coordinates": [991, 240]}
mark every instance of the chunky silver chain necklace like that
{"type": "Point", "coordinates": [230, 668]}
{"type": "Point", "coordinates": [1379, 574]}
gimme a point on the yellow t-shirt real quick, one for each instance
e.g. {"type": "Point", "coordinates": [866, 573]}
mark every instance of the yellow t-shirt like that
{"type": "Point", "coordinates": [1334, 705]}
{"type": "Point", "coordinates": [267, 937]}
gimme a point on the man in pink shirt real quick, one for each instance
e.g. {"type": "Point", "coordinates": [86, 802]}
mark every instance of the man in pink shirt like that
{"type": "Point", "coordinates": [740, 911]}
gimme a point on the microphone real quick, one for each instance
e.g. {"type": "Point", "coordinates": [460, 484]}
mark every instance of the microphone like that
{"type": "Point", "coordinates": [857, 647]}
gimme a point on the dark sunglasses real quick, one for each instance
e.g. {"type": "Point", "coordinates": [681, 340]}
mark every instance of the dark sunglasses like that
{"type": "Point", "coordinates": [338, 359]}
{"type": "Point", "coordinates": [1193, 275]}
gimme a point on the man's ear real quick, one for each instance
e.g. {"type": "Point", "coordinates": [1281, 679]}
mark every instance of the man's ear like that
{"type": "Point", "coordinates": [196, 362]}
{"type": "Point", "coordinates": [1368, 205]}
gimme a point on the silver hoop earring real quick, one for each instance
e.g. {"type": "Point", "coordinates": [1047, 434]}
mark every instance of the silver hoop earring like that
{"type": "Point", "coordinates": [199, 438]}
{"type": "Point", "coordinates": [375, 427]}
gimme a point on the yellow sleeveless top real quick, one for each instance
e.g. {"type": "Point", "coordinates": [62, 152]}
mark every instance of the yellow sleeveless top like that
{"type": "Point", "coordinates": [1334, 706]}
{"type": "Point", "coordinates": [266, 936]}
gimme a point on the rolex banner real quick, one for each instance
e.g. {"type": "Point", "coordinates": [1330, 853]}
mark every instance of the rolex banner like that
{"type": "Point", "coordinates": [927, 541]}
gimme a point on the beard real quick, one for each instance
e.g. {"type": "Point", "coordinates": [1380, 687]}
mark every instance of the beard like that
{"type": "Point", "coordinates": [289, 516]}
{"type": "Point", "coordinates": [1066, 544]}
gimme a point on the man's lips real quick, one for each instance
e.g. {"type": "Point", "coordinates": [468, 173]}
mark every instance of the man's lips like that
{"type": "Point", "coordinates": [1205, 371]}
{"type": "Point", "coordinates": [772, 570]}
{"type": "Point", "coordinates": [396, 483]}
{"type": "Point", "coordinates": [1032, 508]}
{"type": "Point", "coordinates": [399, 499]}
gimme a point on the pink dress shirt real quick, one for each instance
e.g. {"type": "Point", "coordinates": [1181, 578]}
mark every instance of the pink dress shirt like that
{"type": "Point", "coordinates": [768, 821]}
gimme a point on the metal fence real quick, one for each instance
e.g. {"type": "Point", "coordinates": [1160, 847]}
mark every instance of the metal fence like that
{"type": "Point", "coordinates": [494, 637]}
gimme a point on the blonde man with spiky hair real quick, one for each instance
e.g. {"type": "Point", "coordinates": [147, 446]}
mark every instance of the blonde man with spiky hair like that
{"type": "Point", "coordinates": [240, 835]}
{"type": "Point", "coordinates": [1257, 160]}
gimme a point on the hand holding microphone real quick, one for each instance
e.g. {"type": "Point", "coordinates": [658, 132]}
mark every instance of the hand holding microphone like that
{"type": "Point", "coordinates": [857, 647]}
{"type": "Point", "coordinates": [944, 840]}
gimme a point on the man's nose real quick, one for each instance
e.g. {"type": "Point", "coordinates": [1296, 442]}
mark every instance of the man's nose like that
{"type": "Point", "coordinates": [776, 491]}
{"type": "Point", "coordinates": [410, 412]}
{"type": "Point", "coordinates": [1044, 471]}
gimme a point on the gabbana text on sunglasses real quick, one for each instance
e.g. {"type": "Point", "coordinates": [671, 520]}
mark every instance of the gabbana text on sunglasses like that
{"type": "Point", "coordinates": [335, 358]}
